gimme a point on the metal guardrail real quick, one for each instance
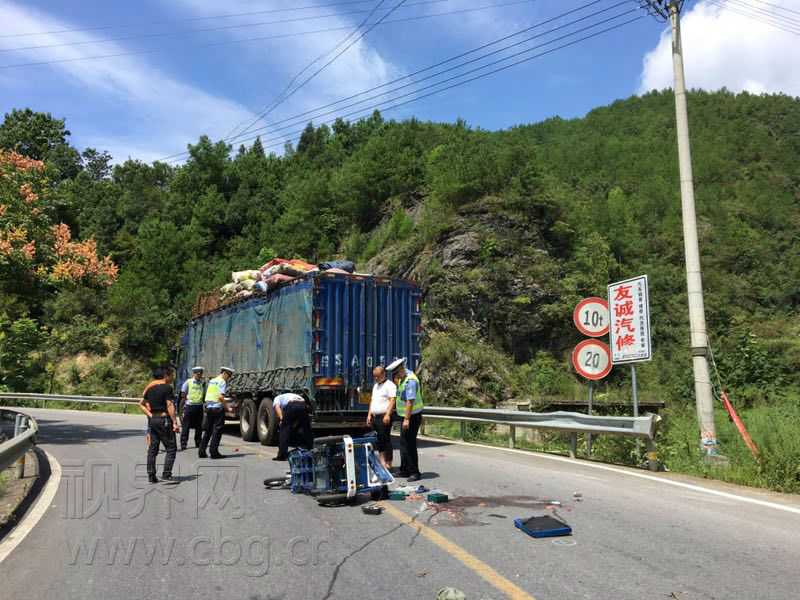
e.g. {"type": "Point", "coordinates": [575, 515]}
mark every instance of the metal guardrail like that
{"type": "Point", "coordinates": [574, 423]}
{"type": "Point", "coordinates": [570, 422]}
{"type": "Point", "coordinates": [15, 448]}
{"type": "Point", "coordinates": [45, 398]}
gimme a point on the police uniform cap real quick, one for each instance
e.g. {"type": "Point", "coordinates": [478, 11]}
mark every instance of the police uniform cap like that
{"type": "Point", "coordinates": [228, 369]}
{"type": "Point", "coordinates": [400, 362]}
{"type": "Point", "coordinates": [195, 369]}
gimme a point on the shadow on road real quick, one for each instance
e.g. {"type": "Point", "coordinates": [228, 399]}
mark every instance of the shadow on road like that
{"type": "Point", "coordinates": [66, 433]}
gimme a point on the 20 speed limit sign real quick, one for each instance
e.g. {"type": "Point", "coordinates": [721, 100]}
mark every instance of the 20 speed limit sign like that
{"type": "Point", "coordinates": [592, 359]}
{"type": "Point", "coordinates": [591, 317]}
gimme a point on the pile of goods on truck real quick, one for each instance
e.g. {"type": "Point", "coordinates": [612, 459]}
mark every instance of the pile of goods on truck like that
{"type": "Point", "coordinates": [277, 271]}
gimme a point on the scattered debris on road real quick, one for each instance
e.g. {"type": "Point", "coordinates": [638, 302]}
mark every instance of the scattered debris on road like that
{"type": "Point", "coordinates": [372, 509]}
{"type": "Point", "coordinates": [543, 526]}
{"type": "Point", "coordinates": [450, 593]}
{"type": "Point", "coordinates": [437, 498]}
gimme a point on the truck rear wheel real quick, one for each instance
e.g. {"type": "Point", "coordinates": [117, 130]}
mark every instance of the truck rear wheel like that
{"type": "Point", "coordinates": [266, 422]}
{"type": "Point", "coordinates": [247, 420]}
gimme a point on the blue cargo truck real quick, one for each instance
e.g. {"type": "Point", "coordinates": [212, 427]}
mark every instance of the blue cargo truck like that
{"type": "Point", "coordinates": [321, 334]}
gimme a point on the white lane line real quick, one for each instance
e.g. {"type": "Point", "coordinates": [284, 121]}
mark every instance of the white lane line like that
{"type": "Point", "coordinates": [594, 465]}
{"type": "Point", "coordinates": [16, 535]}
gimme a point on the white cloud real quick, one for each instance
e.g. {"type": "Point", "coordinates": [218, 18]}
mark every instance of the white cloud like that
{"type": "Point", "coordinates": [123, 105]}
{"type": "Point", "coordinates": [725, 49]}
{"type": "Point", "coordinates": [268, 66]}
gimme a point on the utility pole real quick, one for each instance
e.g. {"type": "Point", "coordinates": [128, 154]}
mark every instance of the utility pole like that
{"type": "Point", "coordinates": [663, 10]}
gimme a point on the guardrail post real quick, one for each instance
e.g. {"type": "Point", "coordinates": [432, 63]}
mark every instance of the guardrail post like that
{"type": "Point", "coordinates": [463, 430]}
{"type": "Point", "coordinates": [652, 455]}
{"type": "Point", "coordinates": [124, 409]}
{"type": "Point", "coordinates": [573, 444]}
{"type": "Point", "coordinates": [20, 426]}
{"type": "Point", "coordinates": [512, 437]}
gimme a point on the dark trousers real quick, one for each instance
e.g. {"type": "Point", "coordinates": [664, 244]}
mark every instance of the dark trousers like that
{"type": "Point", "coordinates": [213, 432]}
{"type": "Point", "coordinates": [297, 421]}
{"type": "Point", "coordinates": [192, 419]}
{"type": "Point", "coordinates": [384, 434]}
{"type": "Point", "coordinates": [409, 461]}
{"type": "Point", "coordinates": [161, 433]}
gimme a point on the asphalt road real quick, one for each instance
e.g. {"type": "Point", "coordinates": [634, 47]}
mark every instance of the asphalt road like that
{"type": "Point", "coordinates": [108, 534]}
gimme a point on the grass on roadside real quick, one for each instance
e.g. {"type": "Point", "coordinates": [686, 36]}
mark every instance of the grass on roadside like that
{"type": "Point", "coordinates": [773, 428]}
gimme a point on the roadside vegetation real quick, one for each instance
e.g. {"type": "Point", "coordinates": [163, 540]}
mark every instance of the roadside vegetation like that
{"type": "Point", "coordinates": [505, 231]}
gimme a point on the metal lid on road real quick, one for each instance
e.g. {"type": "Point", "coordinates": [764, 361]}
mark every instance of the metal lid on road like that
{"type": "Point", "coordinates": [400, 362]}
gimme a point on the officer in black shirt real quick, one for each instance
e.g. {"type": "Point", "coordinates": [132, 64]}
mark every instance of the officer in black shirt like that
{"type": "Point", "coordinates": [157, 403]}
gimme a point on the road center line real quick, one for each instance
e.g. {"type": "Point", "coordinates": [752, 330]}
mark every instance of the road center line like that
{"type": "Point", "coordinates": [29, 521]}
{"type": "Point", "coordinates": [470, 561]}
{"type": "Point", "coordinates": [595, 465]}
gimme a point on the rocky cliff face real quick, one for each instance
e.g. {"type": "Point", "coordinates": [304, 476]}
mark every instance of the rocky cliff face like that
{"type": "Point", "coordinates": [485, 307]}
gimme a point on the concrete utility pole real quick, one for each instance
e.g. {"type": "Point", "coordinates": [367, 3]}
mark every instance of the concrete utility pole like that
{"type": "Point", "coordinates": [670, 9]}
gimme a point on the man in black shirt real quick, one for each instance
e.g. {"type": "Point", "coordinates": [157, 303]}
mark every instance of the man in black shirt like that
{"type": "Point", "coordinates": [157, 404]}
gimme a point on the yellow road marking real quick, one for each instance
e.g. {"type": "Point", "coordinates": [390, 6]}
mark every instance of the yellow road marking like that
{"type": "Point", "coordinates": [473, 563]}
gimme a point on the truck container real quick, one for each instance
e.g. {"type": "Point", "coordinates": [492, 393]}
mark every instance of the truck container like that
{"type": "Point", "coordinates": [320, 334]}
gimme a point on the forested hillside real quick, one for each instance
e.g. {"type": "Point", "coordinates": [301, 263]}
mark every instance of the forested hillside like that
{"type": "Point", "coordinates": [505, 231]}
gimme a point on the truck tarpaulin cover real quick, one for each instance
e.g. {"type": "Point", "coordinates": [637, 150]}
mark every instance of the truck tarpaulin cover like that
{"type": "Point", "coordinates": [269, 335]}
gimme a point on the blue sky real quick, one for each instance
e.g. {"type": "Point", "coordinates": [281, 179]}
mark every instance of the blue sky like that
{"type": "Point", "coordinates": [150, 105]}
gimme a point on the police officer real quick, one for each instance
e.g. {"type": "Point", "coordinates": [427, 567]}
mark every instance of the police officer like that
{"type": "Point", "coordinates": [215, 412]}
{"type": "Point", "coordinates": [192, 395]}
{"type": "Point", "coordinates": [409, 406]}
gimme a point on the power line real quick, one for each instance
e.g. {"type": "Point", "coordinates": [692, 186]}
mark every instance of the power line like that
{"type": "Point", "coordinates": [797, 12]}
{"type": "Point", "coordinates": [320, 57]}
{"type": "Point", "coordinates": [755, 17]}
{"type": "Point", "coordinates": [460, 83]}
{"type": "Point", "coordinates": [323, 67]}
{"type": "Point", "coordinates": [207, 29]}
{"type": "Point", "coordinates": [777, 16]}
{"type": "Point", "coordinates": [438, 64]}
{"type": "Point", "coordinates": [255, 39]}
{"type": "Point", "coordinates": [447, 70]}
{"type": "Point", "coordinates": [186, 20]}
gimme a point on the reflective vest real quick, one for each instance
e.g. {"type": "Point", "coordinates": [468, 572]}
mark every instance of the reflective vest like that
{"type": "Point", "coordinates": [195, 395]}
{"type": "Point", "coordinates": [400, 402]}
{"type": "Point", "coordinates": [212, 393]}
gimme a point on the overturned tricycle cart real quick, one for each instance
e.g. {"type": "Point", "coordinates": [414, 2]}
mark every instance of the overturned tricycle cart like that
{"type": "Point", "coordinates": [336, 470]}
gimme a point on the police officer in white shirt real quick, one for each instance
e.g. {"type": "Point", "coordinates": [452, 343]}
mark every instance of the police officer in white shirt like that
{"type": "Point", "coordinates": [380, 413]}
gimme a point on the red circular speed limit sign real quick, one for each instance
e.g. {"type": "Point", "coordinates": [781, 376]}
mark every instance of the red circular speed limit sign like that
{"type": "Point", "coordinates": [592, 359]}
{"type": "Point", "coordinates": [591, 317]}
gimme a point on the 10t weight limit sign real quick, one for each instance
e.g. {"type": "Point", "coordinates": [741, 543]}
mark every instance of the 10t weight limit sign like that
{"type": "Point", "coordinates": [591, 317]}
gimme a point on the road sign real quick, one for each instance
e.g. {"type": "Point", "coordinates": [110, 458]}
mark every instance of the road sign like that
{"type": "Point", "coordinates": [591, 317]}
{"type": "Point", "coordinates": [629, 309]}
{"type": "Point", "coordinates": [592, 359]}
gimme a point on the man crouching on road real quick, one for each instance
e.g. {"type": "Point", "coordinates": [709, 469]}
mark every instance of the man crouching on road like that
{"type": "Point", "coordinates": [294, 413]}
{"type": "Point", "coordinates": [157, 403]}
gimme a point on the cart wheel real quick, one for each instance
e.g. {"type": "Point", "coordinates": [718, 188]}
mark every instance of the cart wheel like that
{"type": "Point", "coordinates": [274, 483]}
{"type": "Point", "coordinates": [333, 498]}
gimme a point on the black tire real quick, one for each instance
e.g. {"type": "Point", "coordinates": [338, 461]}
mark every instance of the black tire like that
{"type": "Point", "coordinates": [333, 498]}
{"type": "Point", "coordinates": [247, 420]}
{"type": "Point", "coordinates": [274, 483]}
{"type": "Point", "coordinates": [266, 422]}
{"type": "Point", "coordinates": [330, 439]}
